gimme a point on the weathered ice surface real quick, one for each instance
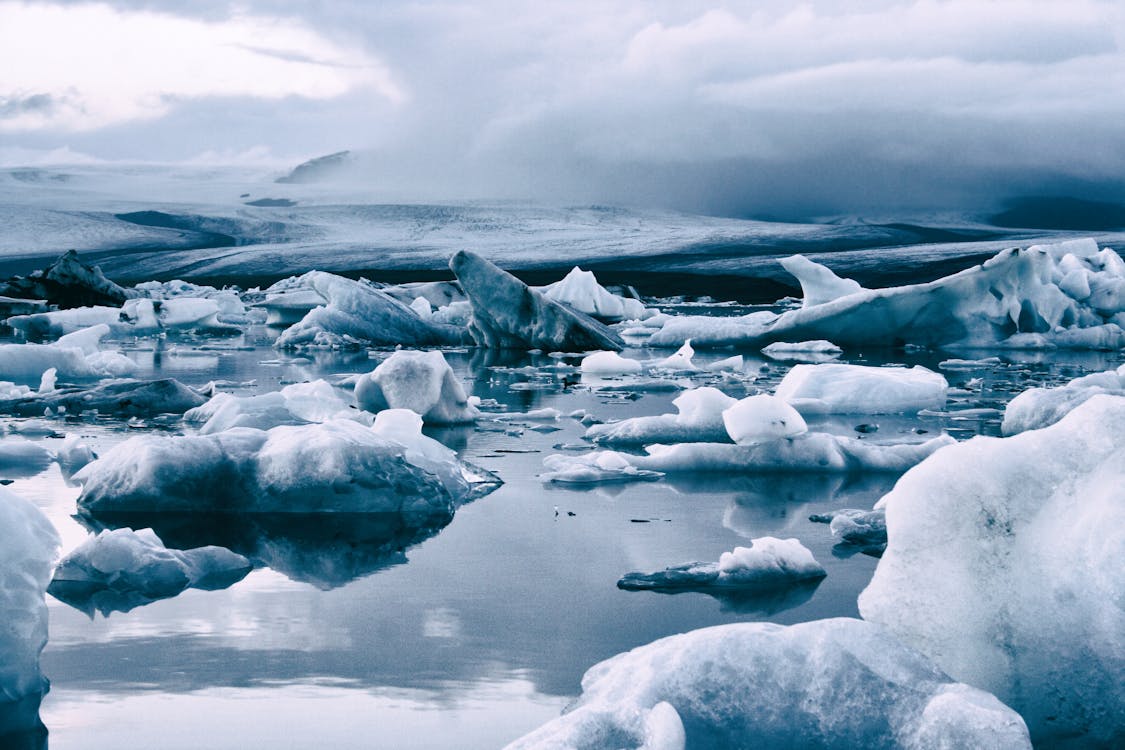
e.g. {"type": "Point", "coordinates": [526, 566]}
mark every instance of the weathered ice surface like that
{"type": "Point", "coordinates": [115, 571]}
{"type": "Point", "coordinates": [1004, 565]}
{"type": "Point", "coordinates": [334, 466]}
{"type": "Point", "coordinates": [837, 683]}
{"type": "Point", "coordinates": [420, 381]}
{"type": "Point", "coordinates": [1041, 407]}
{"type": "Point", "coordinates": [855, 389]}
{"type": "Point", "coordinates": [28, 548]}
{"type": "Point", "coordinates": [767, 562]}
{"type": "Point", "coordinates": [508, 314]}
{"type": "Point", "coordinates": [355, 314]}
{"type": "Point", "coordinates": [68, 282]}
{"type": "Point", "coordinates": [126, 398]}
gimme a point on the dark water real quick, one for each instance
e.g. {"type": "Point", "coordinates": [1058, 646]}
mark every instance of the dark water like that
{"type": "Point", "coordinates": [466, 634]}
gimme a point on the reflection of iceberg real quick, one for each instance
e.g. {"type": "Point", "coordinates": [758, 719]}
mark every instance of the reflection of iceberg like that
{"type": "Point", "coordinates": [325, 549]}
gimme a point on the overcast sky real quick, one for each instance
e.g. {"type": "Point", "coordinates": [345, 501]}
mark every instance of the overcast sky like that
{"type": "Point", "coordinates": [756, 108]}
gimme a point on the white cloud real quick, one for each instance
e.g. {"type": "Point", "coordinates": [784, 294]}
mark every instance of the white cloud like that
{"type": "Point", "coordinates": [83, 67]}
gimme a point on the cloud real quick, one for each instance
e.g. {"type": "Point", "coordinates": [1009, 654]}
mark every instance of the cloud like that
{"type": "Point", "coordinates": [98, 66]}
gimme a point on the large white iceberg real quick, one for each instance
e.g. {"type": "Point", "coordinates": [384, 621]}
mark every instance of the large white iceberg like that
{"type": "Point", "coordinates": [1004, 565]}
{"type": "Point", "coordinates": [354, 314]}
{"type": "Point", "coordinates": [134, 568]}
{"type": "Point", "coordinates": [334, 466]}
{"type": "Point", "coordinates": [1027, 298]}
{"type": "Point", "coordinates": [420, 381]}
{"type": "Point", "coordinates": [1042, 407]}
{"type": "Point", "coordinates": [829, 683]}
{"type": "Point", "coordinates": [581, 291]}
{"type": "Point", "coordinates": [855, 389]}
{"type": "Point", "coordinates": [28, 548]}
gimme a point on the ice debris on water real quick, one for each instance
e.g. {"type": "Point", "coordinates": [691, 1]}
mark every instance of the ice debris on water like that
{"type": "Point", "coordinates": [420, 381]}
{"type": "Point", "coordinates": [767, 562]}
{"type": "Point", "coordinates": [1036, 408]}
{"type": "Point", "coordinates": [761, 419]}
{"type": "Point", "coordinates": [297, 403]}
{"type": "Point", "coordinates": [699, 419]}
{"type": "Point", "coordinates": [609, 363]}
{"type": "Point", "coordinates": [601, 467]}
{"type": "Point", "coordinates": [856, 389]}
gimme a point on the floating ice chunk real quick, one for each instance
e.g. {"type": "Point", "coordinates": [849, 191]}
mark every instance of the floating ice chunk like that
{"type": "Point", "coordinates": [1003, 564]}
{"type": "Point", "coordinates": [47, 381]}
{"type": "Point", "coordinates": [582, 292]}
{"type": "Point", "coordinates": [811, 452]}
{"type": "Point", "coordinates": [296, 403]}
{"type": "Point", "coordinates": [827, 683]}
{"type": "Point", "coordinates": [609, 363]}
{"type": "Point", "coordinates": [818, 283]}
{"type": "Point", "coordinates": [1041, 407]}
{"type": "Point", "coordinates": [135, 568]}
{"type": "Point", "coordinates": [356, 313]}
{"type": "Point", "coordinates": [681, 360]}
{"type": "Point", "coordinates": [734, 364]}
{"type": "Point", "coordinates": [73, 454]}
{"type": "Point", "coordinates": [20, 457]}
{"type": "Point", "coordinates": [767, 563]}
{"type": "Point", "coordinates": [855, 389]}
{"type": "Point", "coordinates": [420, 381]}
{"type": "Point", "coordinates": [968, 364]}
{"type": "Point", "coordinates": [700, 419]}
{"type": "Point", "coordinates": [600, 467]}
{"type": "Point", "coordinates": [762, 418]}
{"type": "Point", "coordinates": [508, 314]}
{"type": "Point", "coordinates": [28, 362]}
{"type": "Point", "coordinates": [128, 398]}
{"type": "Point", "coordinates": [863, 528]}
{"type": "Point", "coordinates": [789, 350]}
{"type": "Point", "coordinates": [339, 465]}
{"type": "Point", "coordinates": [422, 306]}
{"type": "Point", "coordinates": [29, 546]}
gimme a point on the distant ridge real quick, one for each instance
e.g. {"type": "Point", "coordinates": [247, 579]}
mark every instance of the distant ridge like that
{"type": "Point", "coordinates": [315, 170]}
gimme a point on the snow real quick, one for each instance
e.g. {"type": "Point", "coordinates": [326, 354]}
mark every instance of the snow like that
{"type": "Point", "coordinates": [767, 563]}
{"type": "Point", "coordinates": [855, 389]}
{"type": "Point", "coordinates": [828, 683]}
{"type": "Point", "coordinates": [762, 418]}
{"type": "Point", "coordinates": [28, 548]}
{"type": "Point", "coordinates": [134, 568]}
{"type": "Point", "coordinates": [581, 291]}
{"type": "Point", "coordinates": [420, 381]}
{"type": "Point", "coordinates": [1003, 564]}
{"type": "Point", "coordinates": [818, 283]}
{"type": "Point", "coordinates": [334, 466]}
{"type": "Point", "coordinates": [608, 363]}
{"type": "Point", "coordinates": [699, 419]}
{"type": "Point", "coordinates": [354, 313]}
{"type": "Point", "coordinates": [1036, 408]}
{"type": "Point", "coordinates": [296, 403]}
{"type": "Point", "coordinates": [508, 314]}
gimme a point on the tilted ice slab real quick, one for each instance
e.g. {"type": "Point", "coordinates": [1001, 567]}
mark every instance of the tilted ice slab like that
{"type": "Point", "coordinates": [420, 381]}
{"type": "Point", "coordinates": [828, 683]}
{"type": "Point", "coordinates": [1041, 407]}
{"type": "Point", "coordinates": [28, 548]}
{"type": "Point", "coordinates": [508, 314]}
{"type": "Point", "coordinates": [297, 403]}
{"type": "Point", "coordinates": [339, 465]}
{"type": "Point", "coordinates": [120, 569]}
{"type": "Point", "coordinates": [1003, 564]}
{"type": "Point", "coordinates": [581, 291]}
{"type": "Point", "coordinates": [699, 419]}
{"type": "Point", "coordinates": [854, 389]}
{"type": "Point", "coordinates": [863, 528]}
{"type": "Point", "coordinates": [357, 314]}
{"type": "Point", "coordinates": [1069, 294]}
{"type": "Point", "coordinates": [767, 562]}
{"type": "Point", "coordinates": [121, 397]}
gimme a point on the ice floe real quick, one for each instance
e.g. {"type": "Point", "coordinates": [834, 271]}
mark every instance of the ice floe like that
{"type": "Point", "coordinates": [699, 419]}
{"type": "Point", "coordinates": [581, 291]}
{"type": "Point", "coordinates": [609, 363]}
{"type": "Point", "coordinates": [420, 381]}
{"type": "Point", "coordinates": [827, 683]}
{"type": "Point", "coordinates": [121, 569]}
{"type": "Point", "coordinates": [297, 403]}
{"type": "Point", "coordinates": [1003, 565]}
{"type": "Point", "coordinates": [1042, 407]}
{"type": "Point", "coordinates": [600, 467]}
{"type": "Point", "coordinates": [28, 549]}
{"type": "Point", "coordinates": [855, 389]}
{"type": "Point", "coordinates": [20, 457]}
{"type": "Point", "coordinates": [508, 314]}
{"type": "Point", "coordinates": [761, 419]}
{"type": "Point", "coordinates": [767, 563]}
{"type": "Point", "coordinates": [334, 466]}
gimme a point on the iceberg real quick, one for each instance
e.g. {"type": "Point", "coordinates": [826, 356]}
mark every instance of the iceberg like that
{"type": "Point", "coordinates": [20, 457]}
{"type": "Point", "coordinates": [122, 397]}
{"type": "Point", "coordinates": [600, 467]}
{"type": "Point", "coordinates": [508, 314]}
{"type": "Point", "coordinates": [1036, 408]}
{"type": "Point", "coordinates": [115, 571]}
{"type": "Point", "coordinates": [581, 291]}
{"type": "Point", "coordinates": [855, 389]}
{"type": "Point", "coordinates": [608, 363]}
{"type": "Point", "coordinates": [699, 420]}
{"type": "Point", "coordinates": [1003, 565]}
{"type": "Point", "coordinates": [803, 351]}
{"type": "Point", "coordinates": [818, 283]}
{"type": "Point", "coordinates": [866, 529]}
{"type": "Point", "coordinates": [1016, 299]}
{"type": "Point", "coordinates": [68, 282]}
{"type": "Point", "coordinates": [28, 548]}
{"type": "Point", "coordinates": [761, 419]}
{"type": "Point", "coordinates": [356, 314]}
{"type": "Point", "coordinates": [28, 362]}
{"type": "Point", "coordinates": [828, 683]}
{"type": "Point", "coordinates": [420, 381]}
{"type": "Point", "coordinates": [767, 563]}
{"type": "Point", "coordinates": [334, 466]}
{"type": "Point", "coordinates": [297, 403]}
